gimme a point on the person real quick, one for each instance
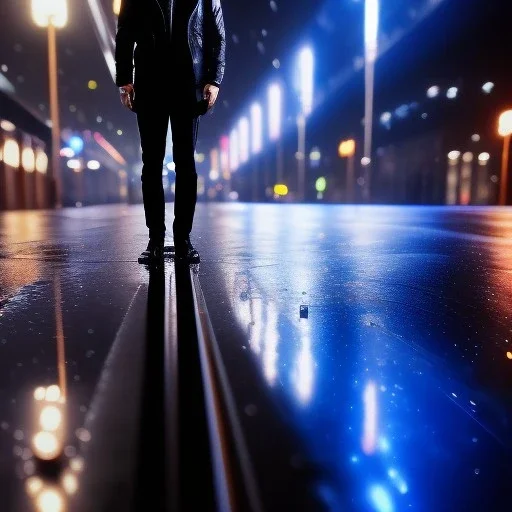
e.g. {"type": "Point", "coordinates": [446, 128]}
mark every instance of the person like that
{"type": "Point", "coordinates": [170, 60]}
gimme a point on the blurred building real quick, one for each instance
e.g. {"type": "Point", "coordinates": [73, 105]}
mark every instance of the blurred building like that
{"type": "Point", "coordinates": [24, 154]}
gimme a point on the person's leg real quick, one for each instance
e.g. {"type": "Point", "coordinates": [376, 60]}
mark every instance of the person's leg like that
{"type": "Point", "coordinates": [184, 136]}
{"type": "Point", "coordinates": [153, 121]}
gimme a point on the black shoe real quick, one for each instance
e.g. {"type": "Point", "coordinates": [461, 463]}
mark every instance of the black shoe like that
{"type": "Point", "coordinates": [154, 252]}
{"type": "Point", "coordinates": [185, 251]}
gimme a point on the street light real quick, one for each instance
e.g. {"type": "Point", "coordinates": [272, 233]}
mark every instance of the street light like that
{"type": "Point", "coordinates": [347, 149]}
{"type": "Point", "coordinates": [52, 14]}
{"type": "Point", "coordinates": [243, 133]}
{"type": "Point", "coordinates": [256, 144]}
{"type": "Point", "coordinates": [233, 150]}
{"type": "Point", "coordinates": [275, 114]}
{"type": "Point", "coordinates": [505, 130]}
{"type": "Point", "coordinates": [371, 30]}
{"type": "Point", "coordinates": [306, 90]}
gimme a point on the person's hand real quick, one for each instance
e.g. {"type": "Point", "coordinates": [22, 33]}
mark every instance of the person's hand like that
{"type": "Point", "coordinates": [210, 93]}
{"type": "Point", "coordinates": [126, 93]}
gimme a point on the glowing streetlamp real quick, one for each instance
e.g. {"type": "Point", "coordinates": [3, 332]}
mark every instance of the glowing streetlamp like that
{"type": "Point", "coordinates": [224, 164]}
{"type": "Point", "coordinates": [53, 14]}
{"type": "Point", "coordinates": [233, 150]}
{"type": "Point", "coordinates": [505, 130]}
{"type": "Point", "coordinates": [243, 141]}
{"type": "Point", "coordinates": [116, 7]}
{"type": "Point", "coordinates": [256, 128]}
{"type": "Point", "coordinates": [371, 30]}
{"type": "Point", "coordinates": [306, 66]}
{"type": "Point", "coordinates": [256, 144]}
{"type": "Point", "coordinates": [347, 149]}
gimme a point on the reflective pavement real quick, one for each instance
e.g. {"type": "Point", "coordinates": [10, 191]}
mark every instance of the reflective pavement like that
{"type": "Point", "coordinates": [367, 349]}
{"type": "Point", "coordinates": [382, 339]}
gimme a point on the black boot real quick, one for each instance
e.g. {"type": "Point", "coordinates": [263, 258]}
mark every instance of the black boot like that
{"type": "Point", "coordinates": [154, 252]}
{"type": "Point", "coordinates": [185, 251]}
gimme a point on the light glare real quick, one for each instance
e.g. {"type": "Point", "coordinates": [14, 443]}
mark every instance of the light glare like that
{"type": "Point", "coordinates": [256, 128]}
{"type": "Point", "coordinates": [46, 12]}
{"type": "Point", "coordinates": [275, 102]}
{"type": "Point", "coordinates": [306, 85]}
{"type": "Point", "coordinates": [371, 28]}
{"type": "Point", "coordinates": [243, 129]}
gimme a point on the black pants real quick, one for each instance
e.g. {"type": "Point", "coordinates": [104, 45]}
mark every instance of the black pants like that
{"type": "Point", "coordinates": [153, 119]}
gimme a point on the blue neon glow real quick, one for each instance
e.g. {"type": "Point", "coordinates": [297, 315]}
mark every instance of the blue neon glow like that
{"type": "Point", "coordinates": [380, 499]}
{"type": "Point", "coordinates": [76, 143]}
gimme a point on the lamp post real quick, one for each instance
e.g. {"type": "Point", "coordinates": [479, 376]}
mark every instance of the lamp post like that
{"type": "Point", "coordinates": [306, 87]}
{"type": "Point", "coordinates": [275, 107]}
{"type": "Point", "coordinates": [347, 149]}
{"type": "Point", "coordinates": [256, 144]}
{"type": "Point", "coordinates": [505, 130]}
{"type": "Point", "coordinates": [53, 14]}
{"type": "Point", "coordinates": [371, 29]}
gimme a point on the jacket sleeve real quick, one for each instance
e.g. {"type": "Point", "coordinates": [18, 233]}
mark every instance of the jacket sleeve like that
{"type": "Point", "coordinates": [217, 43]}
{"type": "Point", "coordinates": [125, 43]}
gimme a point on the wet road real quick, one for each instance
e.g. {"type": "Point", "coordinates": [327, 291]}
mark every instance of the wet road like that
{"type": "Point", "coordinates": [367, 349]}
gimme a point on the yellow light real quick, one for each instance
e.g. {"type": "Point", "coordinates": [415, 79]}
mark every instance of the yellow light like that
{"type": "Point", "coordinates": [509, 355]}
{"type": "Point", "coordinates": [52, 393]}
{"type": "Point", "coordinates": [28, 159]}
{"type": "Point", "coordinates": [117, 7]}
{"type": "Point", "coordinates": [7, 125]}
{"type": "Point", "coordinates": [39, 393]}
{"type": "Point", "coordinates": [200, 158]}
{"type": "Point", "coordinates": [92, 85]}
{"type": "Point", "coordinates": [321, 184]}
{"type": "Point", "coordinates": [453, 155]}
{"type": "Point", "coordinates": [12, 153]}
{"type": "Point", "coordinates": [484, 158]}
{"type": "Point", "coordinates": [76, 464]}
{"type": "Point", "coordinates": [315, 156]}
{"type": "Point", "coordinates": [33, 486]}
{"type": "Point", "coordinates": [41, 161]}
{"type": "Point", "coordinates": [281, 190]}
{"type": "Point", "coordinates": [70, 483]}
{"type": "Point", "coordinates": [505, 124]}
{"type": "Point", "coordinates": [50, 500]}
{"type": "Point", "coordinates": [50, 418]}
{"type": "Point", "coordinates": [467, 157]}
{"type": "Point", "coordinates": [46, 446]}
{"type": "Point", "coordinates": [347, 148]}
{"type": "Point", "coordinates": [46, 12]}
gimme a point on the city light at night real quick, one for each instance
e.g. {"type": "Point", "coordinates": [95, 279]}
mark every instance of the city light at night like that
{"type": "Point", "coordinates": [255, 255]}
{"type": "Point", "coordinates": [234, 150]}
{"type": "Point", "coordinates": [306, 79]}
{"type": "Point", "coordinates": [243, 134]}
{"type": "Point", "coordinates": [46, 12]}
{"type": "Point", "coordinates": [256, 128]}
{"type": "Point", "coordinates": [275, 105]}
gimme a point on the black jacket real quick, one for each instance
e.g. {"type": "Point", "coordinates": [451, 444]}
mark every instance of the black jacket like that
{"type": "Point", "coordinates": [143, 23]}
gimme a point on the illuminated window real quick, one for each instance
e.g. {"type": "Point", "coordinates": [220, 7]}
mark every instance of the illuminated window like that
{"type": "Point", "coordinates": [12, 153]}
{"type": "Point", "coordinates": [28, 159]}
{"type": "Point", "coordinates": [7, 125]}
{"type": "Point", "coordinates": [41, 161]}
